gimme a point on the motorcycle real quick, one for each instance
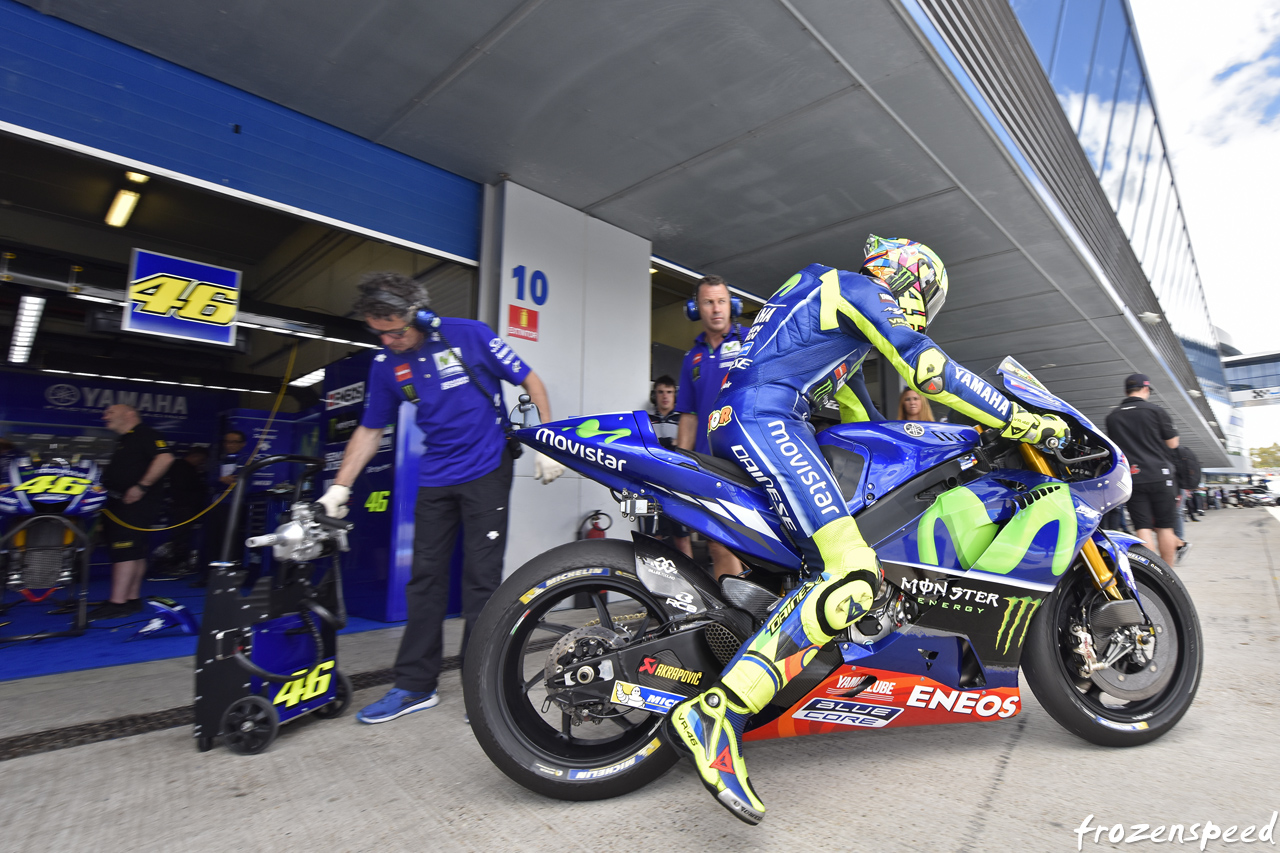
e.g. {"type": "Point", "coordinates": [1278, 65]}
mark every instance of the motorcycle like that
{"type": "Point", "coordinates": [48, 512]}
{"type": "Point", "coordinates": [993, 560]}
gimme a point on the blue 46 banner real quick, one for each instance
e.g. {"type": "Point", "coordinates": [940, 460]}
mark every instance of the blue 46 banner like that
{"type": "Point", "coordinates": [183, 299]}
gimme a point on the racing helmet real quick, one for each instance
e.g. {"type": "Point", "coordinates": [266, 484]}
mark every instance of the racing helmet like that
{"type": "Point", "coordinates": [913, 273]}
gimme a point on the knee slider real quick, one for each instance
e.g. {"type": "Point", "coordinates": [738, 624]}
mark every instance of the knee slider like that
{"type": "Point", "coordinates": [846, 600]}
{"type": "Point", "coordinates": [930, 374]}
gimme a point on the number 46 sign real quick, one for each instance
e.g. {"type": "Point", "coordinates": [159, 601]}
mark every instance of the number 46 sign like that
{"type": "Point", "coordinates": [184, 299]}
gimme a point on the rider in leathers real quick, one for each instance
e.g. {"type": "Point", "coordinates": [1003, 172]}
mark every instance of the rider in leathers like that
{"type": "Point", "coordinates": [805, 344]}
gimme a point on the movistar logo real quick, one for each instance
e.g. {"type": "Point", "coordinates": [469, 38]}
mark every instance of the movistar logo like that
{"type": "Point", "coordinates": [1017, 614]}
{"type": "Point", "coordinates": [591, 429]}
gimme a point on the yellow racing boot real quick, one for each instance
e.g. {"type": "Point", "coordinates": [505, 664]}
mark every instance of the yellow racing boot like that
{"type": "Point", "coordinates": [708, 729]}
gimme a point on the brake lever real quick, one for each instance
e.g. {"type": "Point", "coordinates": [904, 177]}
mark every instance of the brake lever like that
{"type": "Point", "coordinates": [1054, 446]}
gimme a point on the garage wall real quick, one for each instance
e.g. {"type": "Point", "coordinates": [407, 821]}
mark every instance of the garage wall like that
{"type": "Point", "coordinates": [592, 347]}
{"type": "Point", "coordinates": [68, 86]}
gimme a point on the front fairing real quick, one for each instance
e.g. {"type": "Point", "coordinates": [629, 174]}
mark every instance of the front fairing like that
{"type": "Point", "coordinates": [70, 490]}
{"type": "Point", "coordinates": [1102, 493]}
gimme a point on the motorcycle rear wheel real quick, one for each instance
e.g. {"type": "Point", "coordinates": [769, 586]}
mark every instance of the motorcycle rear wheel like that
{"type": "Point", "coordinates": [527, 736]}
{"type": "Point", "coordinates": [1083, 706]}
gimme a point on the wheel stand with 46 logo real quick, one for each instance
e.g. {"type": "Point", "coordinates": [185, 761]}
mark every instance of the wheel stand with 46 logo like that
{"type": "Point", "coordinates": [267, 652]}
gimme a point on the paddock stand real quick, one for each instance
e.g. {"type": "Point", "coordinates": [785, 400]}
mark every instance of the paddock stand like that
{"type": "Point", "coordinates": [268, 651]}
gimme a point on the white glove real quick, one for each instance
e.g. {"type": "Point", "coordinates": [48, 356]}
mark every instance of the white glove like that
{"type": "Point", "coordinates": [335, 501]}
{"type": "Point", "coordinates": [545, 468]}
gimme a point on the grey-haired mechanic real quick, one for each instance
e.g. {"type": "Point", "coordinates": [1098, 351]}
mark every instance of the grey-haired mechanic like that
{"type": "Point", "coordinates": [452, 370]}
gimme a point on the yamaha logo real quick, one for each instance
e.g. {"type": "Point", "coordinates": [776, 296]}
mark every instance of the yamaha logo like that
{"type": "Point", "coordinates": [914, 430]}
{"type": "Point", "coordinates": [62, 395]}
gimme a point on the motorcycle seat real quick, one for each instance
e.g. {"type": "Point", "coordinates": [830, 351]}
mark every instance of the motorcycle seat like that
{"type": "Point", "coordinates": [720, 467]}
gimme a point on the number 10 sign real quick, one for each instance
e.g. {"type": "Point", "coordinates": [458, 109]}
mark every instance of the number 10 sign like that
{"type": "Point", "coordinates": [183, 299]}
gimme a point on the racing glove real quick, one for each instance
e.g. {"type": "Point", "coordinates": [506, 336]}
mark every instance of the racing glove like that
{"type": "Point", "coordinates": [545, 468]}
{"type": "Point", "coordinates": [335, 501]}
{"type": "Point", "coordinates": [1032, 428]}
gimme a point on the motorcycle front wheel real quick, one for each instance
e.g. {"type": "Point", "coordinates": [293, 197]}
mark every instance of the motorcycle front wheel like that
{"type": "Point", "coordinates": [1134, 701]}
{"type": "Point", "coordinates": [578, 602]}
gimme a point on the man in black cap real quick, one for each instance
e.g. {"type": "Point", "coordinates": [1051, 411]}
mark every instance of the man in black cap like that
{"type": "Point", "coordinates": [1145, 433]}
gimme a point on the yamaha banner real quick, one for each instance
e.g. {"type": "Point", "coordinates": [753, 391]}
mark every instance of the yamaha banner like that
{"type": "Point", "coordinates": [176, 298]}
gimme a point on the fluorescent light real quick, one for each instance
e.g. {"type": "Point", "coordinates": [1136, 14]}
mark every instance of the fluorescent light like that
{"type": "Point", "coordinates": [310, 379]}
{"type": "Point", "coordinates": [122, 208]}
{"type": "Point", "coordinates": [30, 308]}
{"type": "Point", "coordinates": [95, 299]}
{"type": "Point", "coordinates": [137, 177]}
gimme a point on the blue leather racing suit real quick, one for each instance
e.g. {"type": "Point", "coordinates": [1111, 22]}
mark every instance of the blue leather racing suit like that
{"type": "Point", "coordinates": [807, 342]}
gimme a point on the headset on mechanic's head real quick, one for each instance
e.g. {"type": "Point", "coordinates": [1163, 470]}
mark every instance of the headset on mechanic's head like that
{"type": "Point", "coordinates": [424, 318]}
{"type": "Point", "coordinates": [691, 307]}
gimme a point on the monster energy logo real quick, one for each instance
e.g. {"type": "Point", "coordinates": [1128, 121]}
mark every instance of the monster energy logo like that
{"type": "Point", "coordinates": [1017, 612]}
{"type": "Point", "coordinates": [591, 429]}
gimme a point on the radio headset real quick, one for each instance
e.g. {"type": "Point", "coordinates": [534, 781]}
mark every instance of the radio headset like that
{"type": "Point", "coordinates": [428, 322]}
{"type": "Point", "coordinates": [691, 307]}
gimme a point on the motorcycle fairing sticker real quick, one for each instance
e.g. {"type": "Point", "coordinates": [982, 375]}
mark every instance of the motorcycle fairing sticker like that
{"type": "Point", "coordinates": [892, 700]}
{"type": "Point", "coordinates": [644, 698]}
{"type": "Point", "coordinates": [992, 615]}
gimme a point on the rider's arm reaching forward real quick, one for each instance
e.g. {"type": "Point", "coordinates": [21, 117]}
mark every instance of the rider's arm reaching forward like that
{"type": "Point", "coordinates": [864, 307]}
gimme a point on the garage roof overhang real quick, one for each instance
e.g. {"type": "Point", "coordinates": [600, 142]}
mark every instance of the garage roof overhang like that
{"type": "Point", "coordinates": [742, 137]}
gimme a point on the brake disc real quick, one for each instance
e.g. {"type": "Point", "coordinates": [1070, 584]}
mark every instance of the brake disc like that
{"type": "Point", "coordinates": [1148, 680]}
{"type": "Point", "coordinates": [577, 648]}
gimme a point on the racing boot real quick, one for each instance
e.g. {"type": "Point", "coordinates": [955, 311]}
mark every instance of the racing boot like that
{"type": "Point", "coordinates": [709, 727]}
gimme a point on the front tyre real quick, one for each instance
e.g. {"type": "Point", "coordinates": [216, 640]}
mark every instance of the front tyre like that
{"type": "Point", "coordinates": [1134, 701]}
{"type": "Point", "coordinates": [581, 601]}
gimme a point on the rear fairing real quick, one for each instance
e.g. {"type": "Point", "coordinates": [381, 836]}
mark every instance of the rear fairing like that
{"type": "Point", "coordinates": [622, 452]}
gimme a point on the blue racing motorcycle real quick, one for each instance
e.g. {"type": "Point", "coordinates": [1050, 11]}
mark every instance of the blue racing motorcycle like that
{"type": "Point", "coordinates": [48, 512]}
{"type": "Point", "coordinates": [993, 560]}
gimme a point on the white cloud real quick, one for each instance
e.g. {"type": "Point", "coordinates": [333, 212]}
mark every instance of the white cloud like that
{"type": "Point", "coordinates": [1215, 71]}
{"type": "Point", "coordinates": [1224, 154]}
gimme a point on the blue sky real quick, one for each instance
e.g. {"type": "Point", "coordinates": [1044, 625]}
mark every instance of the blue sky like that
{"type": "Point", "coordinates": [1215, 72]}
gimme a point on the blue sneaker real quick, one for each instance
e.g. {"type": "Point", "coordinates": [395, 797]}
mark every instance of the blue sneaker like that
{"type": "Point", "coordinates": [397, 703]}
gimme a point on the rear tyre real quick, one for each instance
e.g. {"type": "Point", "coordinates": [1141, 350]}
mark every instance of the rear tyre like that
{"type": "Point", "coordinates": [1129, 703]}
{"type": "Point", "coordinates": [591, 752]}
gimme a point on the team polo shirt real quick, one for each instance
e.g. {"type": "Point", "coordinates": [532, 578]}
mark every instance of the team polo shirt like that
{"type": "Point", "coordinates": [132, 457]}
{"type": "Point", "coordinates": [463, 434]}
{"type": "Point", "coordinates": [1142, 430]}
{"type": "Point", "coordinates": [701, 376]}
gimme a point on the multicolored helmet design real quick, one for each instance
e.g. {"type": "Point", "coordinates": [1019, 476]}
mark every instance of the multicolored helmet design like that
{"type": "Point", "coordinates": [913, 273]}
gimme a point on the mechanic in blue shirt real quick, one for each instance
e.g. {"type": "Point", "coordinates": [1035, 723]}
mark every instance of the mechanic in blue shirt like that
{"type": "Point", "coordinates": [703, 371]}
{"type": "Point", "coordinates": [452, 370]}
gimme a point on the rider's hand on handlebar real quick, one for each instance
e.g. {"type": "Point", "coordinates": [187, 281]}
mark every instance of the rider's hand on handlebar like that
{"type": "Point", "coordinates": [545, 468]}
{"type": "Point", "coordinates": [335, 501]}
{"type": "Point", "coordinates": [1035, 429]}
